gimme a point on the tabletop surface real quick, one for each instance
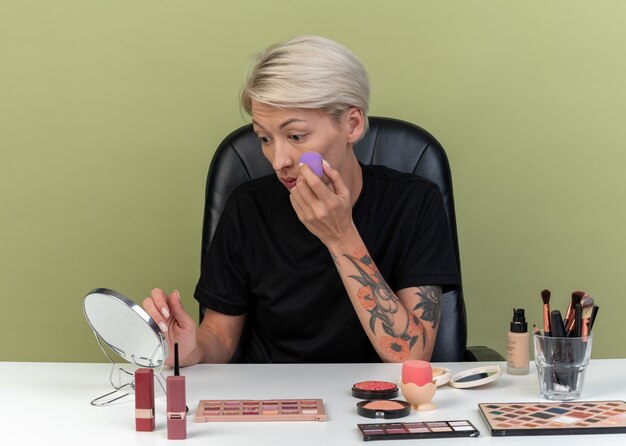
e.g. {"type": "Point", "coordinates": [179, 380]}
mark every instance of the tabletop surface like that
{"type": "Point", "coordinates": [51, 402]}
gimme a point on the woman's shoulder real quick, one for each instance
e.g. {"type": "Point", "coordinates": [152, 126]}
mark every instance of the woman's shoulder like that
{"type": "Point", "coordinates": [383, 176]}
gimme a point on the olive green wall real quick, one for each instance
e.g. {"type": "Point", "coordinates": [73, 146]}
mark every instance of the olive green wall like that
{"type": "Point", "coordinates": [110, 112]}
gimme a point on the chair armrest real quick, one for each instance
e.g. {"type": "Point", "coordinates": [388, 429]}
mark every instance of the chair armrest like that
{"type": "Point", "coordinates": [482, 353]}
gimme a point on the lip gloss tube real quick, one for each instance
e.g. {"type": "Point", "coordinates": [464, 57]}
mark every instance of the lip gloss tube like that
{"type": "Point", "coordinates": [176, 403]}
{"type": "Point", "coordinates": [176, 408]}
{"type": "Point", "coordinates": [144, 400]}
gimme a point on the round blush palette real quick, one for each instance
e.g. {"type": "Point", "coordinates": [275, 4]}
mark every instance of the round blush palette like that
{"type": "Point", "coordinates": [383, 409]}
{"type": "Point", "coordinates": [375, 390]}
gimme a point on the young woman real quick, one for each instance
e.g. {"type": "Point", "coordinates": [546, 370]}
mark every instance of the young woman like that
{"type": "Point", "coordinates": [348, 267]}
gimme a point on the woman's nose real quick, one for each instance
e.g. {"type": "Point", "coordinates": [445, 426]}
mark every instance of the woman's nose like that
{"type": "Point", "coordinates": [282, 158]}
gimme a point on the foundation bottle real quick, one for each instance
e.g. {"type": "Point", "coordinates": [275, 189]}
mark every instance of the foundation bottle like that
{"type": "Point", "coordinates": [518, 345]}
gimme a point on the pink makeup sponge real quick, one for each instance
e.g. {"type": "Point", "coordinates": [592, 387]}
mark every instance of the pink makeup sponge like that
{"type": "Point", "coordinates": [314, 161]}
{"type": "Point", "coordinates": [417, 372]}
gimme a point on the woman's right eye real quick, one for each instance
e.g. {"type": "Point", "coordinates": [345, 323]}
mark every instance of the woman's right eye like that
{"type": "Point", "coordinates": [264, 140]}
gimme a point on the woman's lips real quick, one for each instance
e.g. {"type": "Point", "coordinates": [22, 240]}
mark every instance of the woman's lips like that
{"type": "Point", "coordinates": [288, 182]}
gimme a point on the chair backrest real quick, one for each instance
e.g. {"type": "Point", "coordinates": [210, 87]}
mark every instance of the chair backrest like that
{"type": "Point", "coordinates": [396, 144]}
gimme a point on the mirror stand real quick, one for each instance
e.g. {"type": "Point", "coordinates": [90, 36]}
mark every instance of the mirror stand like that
{"type": "Point", "coordinates": [128, 387]}
{"type": "Point", "coordinates": [124, 328]}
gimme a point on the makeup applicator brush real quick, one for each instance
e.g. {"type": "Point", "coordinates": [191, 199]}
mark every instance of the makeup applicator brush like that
{"type": "Point", "coordinates": [594, 312]}
{"type": "Point", "coordinates": [587, 311]}
{"type": "Point", "coordinates": [545, 296]}
{"type": "Point", "coordinates": [570, 320]}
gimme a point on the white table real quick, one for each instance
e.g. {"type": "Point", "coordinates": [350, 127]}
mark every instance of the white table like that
{"type": "Point", "coordinates": [48, 403]}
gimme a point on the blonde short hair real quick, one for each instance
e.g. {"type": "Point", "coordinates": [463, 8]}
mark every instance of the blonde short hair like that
{"type": "Point", "coordinates": [308, 72]}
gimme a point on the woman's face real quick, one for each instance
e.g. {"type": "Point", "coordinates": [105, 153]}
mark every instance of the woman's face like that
{"type": "Point", "coordinates": [287, 133]}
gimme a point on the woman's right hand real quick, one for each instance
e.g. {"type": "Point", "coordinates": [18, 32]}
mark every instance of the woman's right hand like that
{"type": "Point", "coordinates": [175, 323]}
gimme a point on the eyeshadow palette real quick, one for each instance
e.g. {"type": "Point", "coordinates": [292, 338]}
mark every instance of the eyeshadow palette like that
{"type": "Point", "coordinates": [417, 430]}
{"type": "Point", "coordinates": [260, 410]}
{"type": "Point", "coordinates": [559, 418]}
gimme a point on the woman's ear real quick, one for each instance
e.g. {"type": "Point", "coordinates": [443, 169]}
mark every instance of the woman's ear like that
{"type": "Point", "coordinates": [355, 123]}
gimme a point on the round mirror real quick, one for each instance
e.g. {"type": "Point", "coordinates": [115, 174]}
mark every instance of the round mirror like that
{"type": "Point", "coordinates": [475, 377]}
{"type": "Point", "coordinates": [125, 328]}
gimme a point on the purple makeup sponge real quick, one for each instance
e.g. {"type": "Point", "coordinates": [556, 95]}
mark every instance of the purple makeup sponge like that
{"type": "Point", "coordinates": [314, 161]}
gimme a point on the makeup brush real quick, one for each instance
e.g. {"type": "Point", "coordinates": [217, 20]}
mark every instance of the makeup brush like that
{"type": "Point", "coordinates": [577, 297]}
{"type": "Point", "coordinates": [556, 323]}
{"type": "Point", "coordinates": [578, 326]}
{"type": "Point", "coordinates": [587, 304]}
{"type": "Point", "coordinates": [545, 296]}
{"type": "Point", "coordinates": [574, 328]}
{"type": "Point", "coordinates": [594, 312]}
{"type": "Point", "coordinates": [554, 350]}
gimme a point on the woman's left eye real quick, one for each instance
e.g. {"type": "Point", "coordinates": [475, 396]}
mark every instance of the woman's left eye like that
{"type": "Point", "coordinates": [297, 137]}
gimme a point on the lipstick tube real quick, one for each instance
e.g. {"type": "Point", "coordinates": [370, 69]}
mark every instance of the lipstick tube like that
{"type": "Point", "coordinates": [144, 400]}
{"type": "Point", "coordinates": [176, 408]}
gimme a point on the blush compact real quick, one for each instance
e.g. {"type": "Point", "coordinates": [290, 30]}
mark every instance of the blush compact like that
{"type": "Point", "coordinates": [375, 390]}
{"type": "Point", "coordinates": [386, 409]}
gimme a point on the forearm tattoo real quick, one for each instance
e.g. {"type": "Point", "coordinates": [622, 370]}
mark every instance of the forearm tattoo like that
{"type": "Point", "coordinates": [403, 330]}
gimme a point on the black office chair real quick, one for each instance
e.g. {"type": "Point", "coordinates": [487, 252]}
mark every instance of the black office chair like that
{"type": "Point", "coordinates": [396, 144]}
